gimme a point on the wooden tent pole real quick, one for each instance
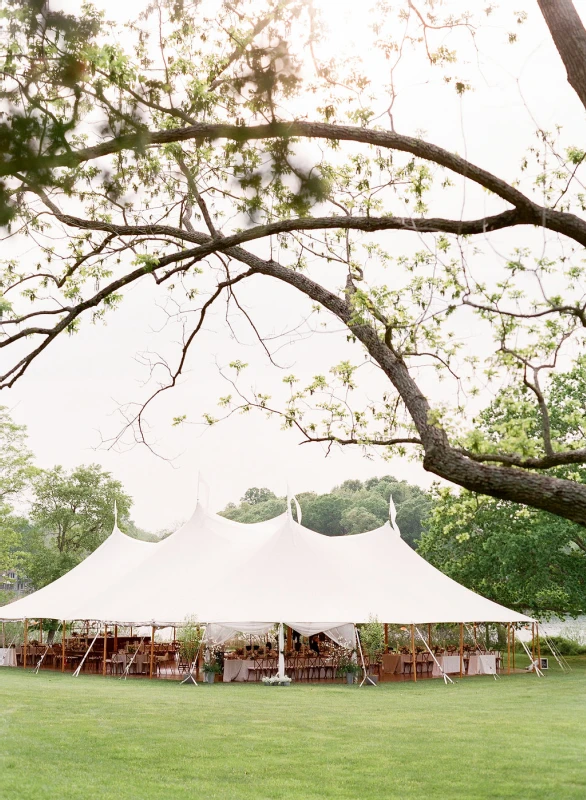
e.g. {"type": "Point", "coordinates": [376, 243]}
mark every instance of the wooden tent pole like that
{"type": "Point", "coordinates": [41, 631]}
{"type": "Point", "coordinates": [152, 651]}
{"type": "Point", "coordinates": [475, 638]}
{"type": "Point", "coordinates": [115, 638]}
{"type": "Point", "coordinates": [461, 649]}
{"type": "Point", "coordinates": [509, 648]}
{"type": "Point", "coordinates": [513, 641]}
{"type": "Point", "coordinates": [105, 650]}
{"type": "Point", "coordinates": [429, 635]}
{"type": "Point", "coordinates": [63, 647]}
{"type": "Point", "coordinates": [538, 645]}
{"type": "Point", "coordinates": [533, 641]}
{"type": "Point", "coordinates": [25, 642]}
{"type": "Point", "coordinates": [3, 635]}
{"type": "Point", "coordinates": [413, 654]}
{"type": "Point", "coordinates": [386, 637]}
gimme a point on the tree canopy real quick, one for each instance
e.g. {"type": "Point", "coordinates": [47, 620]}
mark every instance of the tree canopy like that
{"type": "Point", "coordinates": [220, 144]}
{"type": "Point", "coordinates": [352, 507]}
{"type": "Point", "coordinates": [522, 558]}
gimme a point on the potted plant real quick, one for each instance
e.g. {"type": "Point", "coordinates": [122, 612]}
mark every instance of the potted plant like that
{"type": "Point", "coordinates": [189, 638]}
{"type": "Point", "coordinates": [348, 668]}
{"type": "Point", "coordinates": [210, 670]}
{"type": "Point", "coordinates": [372, 637]}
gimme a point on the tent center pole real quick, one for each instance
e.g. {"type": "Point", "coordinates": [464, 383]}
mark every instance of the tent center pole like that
{"type": "Point", "coordinates": [513, 641]}
{"type": "Point", "coordinates": [386, 637]}
{"type": "Point", "coordinates": [105, 649]}
{"type": "Point", "coordinates": [538, 644]}
{"type": "Point", "coordinates": [413, 655]}
{"type": "Point", "coordinates": [281, 651]}
{"type": "Point", "coordinates": [461, 649]}
{"type": "Point", "coordinates": [41, 631]}
{"type": "Point", "coordinates": [25, 642]}
{"type": "Point", "coordinates": [63, 647]}
{"type": "Point", "coordinates": [509, 648]}
{"type": "Point", "coordinates": [152, 651]}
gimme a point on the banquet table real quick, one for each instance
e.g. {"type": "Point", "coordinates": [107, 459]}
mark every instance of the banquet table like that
{"type": "Point", "coordinates": [236, 669]}
{"type": "Point", "coordinates": [482, 665]}
{"type": "Point", "coordinates": [7, 657]}
{"type": "Point", "coordinates": [392, 663]}
{"type": "Point", "coordinates": [449, 664]}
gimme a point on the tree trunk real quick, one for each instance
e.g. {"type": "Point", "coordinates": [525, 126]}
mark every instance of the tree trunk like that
{"type": "Point", "coordinates": [569, 36]}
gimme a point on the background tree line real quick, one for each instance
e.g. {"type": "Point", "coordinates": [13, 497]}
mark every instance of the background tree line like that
{"type": "Point", "coordinates": [51, 519]}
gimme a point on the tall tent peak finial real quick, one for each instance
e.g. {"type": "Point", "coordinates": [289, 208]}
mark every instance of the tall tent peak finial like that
{"type": "Point", "coordinates": [292, 499]}
{"type": "Point", "coordinates": [393, 516]}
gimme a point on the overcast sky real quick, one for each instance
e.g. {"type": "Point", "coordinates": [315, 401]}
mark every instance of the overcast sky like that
{"type": "Point", "coordinates": [69, 397]}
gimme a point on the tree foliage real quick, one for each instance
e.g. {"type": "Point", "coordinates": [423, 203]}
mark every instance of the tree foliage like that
{"type": "Point", "coordinates": [520, 557]}
{"type": "Point", "coordinates": [352, 507]}
{"type": "Point", "coordinates": [224, 142]}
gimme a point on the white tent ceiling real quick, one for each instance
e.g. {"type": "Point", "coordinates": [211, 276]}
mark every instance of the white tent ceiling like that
{"type": "Point", "coordinates": [225, 572]}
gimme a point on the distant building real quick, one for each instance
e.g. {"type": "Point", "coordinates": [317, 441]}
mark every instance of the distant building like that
{"type": "Point", "coordinates": [11, 582]}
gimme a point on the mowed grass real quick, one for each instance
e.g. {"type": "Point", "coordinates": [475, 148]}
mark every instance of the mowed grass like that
{"type": "Point", "coordinates": [90, 737]}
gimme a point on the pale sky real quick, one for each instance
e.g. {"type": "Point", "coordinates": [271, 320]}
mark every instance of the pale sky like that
{"type": "Point", "coordinates": [68, 399]}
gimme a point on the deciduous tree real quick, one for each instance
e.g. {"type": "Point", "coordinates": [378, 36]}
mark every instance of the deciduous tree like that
{"type": "Point", "coordinates": [225, 149]}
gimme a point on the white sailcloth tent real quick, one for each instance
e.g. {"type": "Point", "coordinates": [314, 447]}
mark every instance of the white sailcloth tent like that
{"type": "Point", "coordinates": [233, 576]}
{"type": "Point", "coordinates": [103, 568]}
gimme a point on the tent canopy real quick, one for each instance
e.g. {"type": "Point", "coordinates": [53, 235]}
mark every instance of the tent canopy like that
{"type": "Point", "coordinates": [247, 577]}
{"type": "Point", "coordinates": [105, 566]}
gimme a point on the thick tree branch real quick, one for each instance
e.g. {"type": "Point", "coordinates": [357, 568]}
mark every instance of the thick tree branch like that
{"type": "Point", "coordinates": [569, 36]}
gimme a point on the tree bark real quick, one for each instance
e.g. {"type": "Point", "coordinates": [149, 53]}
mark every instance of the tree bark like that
{"type": "Point", "coordinates": [569, 36]}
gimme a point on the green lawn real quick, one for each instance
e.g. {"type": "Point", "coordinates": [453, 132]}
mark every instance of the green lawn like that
{"type": "Point", "coordinates": [519, 737]}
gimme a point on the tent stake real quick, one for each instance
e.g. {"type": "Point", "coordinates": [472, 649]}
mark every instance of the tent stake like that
{"type": "Point", "coordinates": [413, 653]}
{"type": "Point", "coordinates": [152, 650]}
{"type": "Point", "coordinates": [461, 649]}
{"type": "Point", "coordinates": [25, 642]}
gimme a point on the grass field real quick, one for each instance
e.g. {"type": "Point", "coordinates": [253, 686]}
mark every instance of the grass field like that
{"type": "Point", "coordinates": [519, 737]}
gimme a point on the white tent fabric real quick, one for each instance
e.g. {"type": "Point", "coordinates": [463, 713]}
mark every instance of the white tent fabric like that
{"type": "Point", "coordinates": [101, 569]}
{"type": "Point", "coordinates": [248, 577]}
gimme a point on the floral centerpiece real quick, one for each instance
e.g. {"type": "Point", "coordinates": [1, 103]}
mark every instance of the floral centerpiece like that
{"type": "Point", "coordinates": [277, 680]}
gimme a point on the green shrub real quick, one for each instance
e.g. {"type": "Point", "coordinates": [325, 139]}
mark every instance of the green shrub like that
{"type": "Point", "coordinates": [567, 647]}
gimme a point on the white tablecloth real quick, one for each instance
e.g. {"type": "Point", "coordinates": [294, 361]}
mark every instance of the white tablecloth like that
{"type": "Point", "coordinates": [236, 669]}
{"type": "Point", "coordinates": [7, 657]}
{"type": "Point", "coordinates": [482, 665]}
{"type": "Point", "coordinates": [450, 664]}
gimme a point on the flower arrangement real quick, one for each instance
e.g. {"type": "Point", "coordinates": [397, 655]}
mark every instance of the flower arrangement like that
{"type": "Point", "coordinates": [277, 680]}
